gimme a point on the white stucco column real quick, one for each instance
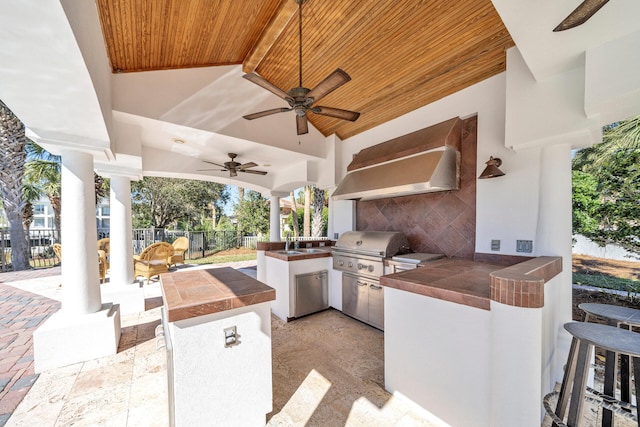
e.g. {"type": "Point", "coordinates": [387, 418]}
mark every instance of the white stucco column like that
{"type": "Point", "coordinates": [121, 264]}
{"type": "Point", "coordinates": [80, 278]}
{"type": "Point", "coordinates": [84, 328]}
{"type": "Point", "coordinates": [553, 237]}
{"type": "Point", "coordinates": [274, 218]}
{"type": "Point", "coordinates": [122, 289]}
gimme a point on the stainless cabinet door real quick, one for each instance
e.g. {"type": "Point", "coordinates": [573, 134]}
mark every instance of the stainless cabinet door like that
{"type": "Point", "coordinates": [355, 297]}
{"type": "Point", "coordinates": [312, 293]}
{"type": "Point", "coordinates": [376, 305]}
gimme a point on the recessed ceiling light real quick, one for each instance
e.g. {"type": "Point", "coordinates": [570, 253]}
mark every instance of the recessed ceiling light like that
{"type": "Point", "coordinates": [179, 141]}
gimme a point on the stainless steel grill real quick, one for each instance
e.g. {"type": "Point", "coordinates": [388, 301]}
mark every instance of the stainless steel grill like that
{"type": "Point", "coordinates": [363, 252]}
{"type": "Point", "coordinates": [360, 255]}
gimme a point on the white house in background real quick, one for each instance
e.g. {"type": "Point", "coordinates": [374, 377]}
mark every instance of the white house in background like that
{"type": "Point", "coordinates": [43, 216]}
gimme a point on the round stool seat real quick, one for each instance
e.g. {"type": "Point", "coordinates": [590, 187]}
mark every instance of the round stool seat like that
{"type": "Point", "coordinates": [626, 315]}
{"type": "Point", "coordinates": [606, 337]}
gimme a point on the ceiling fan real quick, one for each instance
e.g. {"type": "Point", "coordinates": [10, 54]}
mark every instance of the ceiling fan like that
{"type": "Point", "coordinates": [234, 167]}
{"type": "Point", "coordinates": [581, 14]}
{"type": "Point", "coordinates": [301, 99]}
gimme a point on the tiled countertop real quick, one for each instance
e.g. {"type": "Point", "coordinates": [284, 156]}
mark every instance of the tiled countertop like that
{"type": "Point", "coordinates": [197, 293]}
{"type": "Point", "coordinates": [475, 283]}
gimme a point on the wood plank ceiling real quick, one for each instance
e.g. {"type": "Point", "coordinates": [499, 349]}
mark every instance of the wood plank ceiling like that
{"type": "Point", "coordinates": [400, 54]}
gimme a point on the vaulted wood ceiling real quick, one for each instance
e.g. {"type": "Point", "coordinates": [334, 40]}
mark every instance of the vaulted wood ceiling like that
{"type": "Point", "coordinates": [400, 54]}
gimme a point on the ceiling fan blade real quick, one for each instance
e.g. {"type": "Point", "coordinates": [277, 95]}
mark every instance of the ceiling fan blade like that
{"type": "Point", "coordinates": [302, 124]}
{"type": "Point", "coordinates": [337, 113]}
{"type": "Point", "coordinates": [266, 113]}
{"type": "Point", "coordinates": [581, 14]}
{"type": "Point", "coordinates": [329, 84]}
{"type": "Point", "coordinates": [255, 172]}
{"type": "Point", "coordinates": [215, 164]}
{"type": "Point", "coordinates": [254, 78]}
{"type": "Point", "coordinates": [209, 170]}
{"type": "Point", "coordinates": [247, 165]}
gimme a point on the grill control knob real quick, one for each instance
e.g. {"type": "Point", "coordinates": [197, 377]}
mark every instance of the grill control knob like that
{"type": "Point", "coordinates": [341, 263]}
{"type": "Point", "coordinates": [370, 268]}
{"type": "Point", "coordinates": [360, 266]}
{"type": "Point", "coordinates": [350, 264]}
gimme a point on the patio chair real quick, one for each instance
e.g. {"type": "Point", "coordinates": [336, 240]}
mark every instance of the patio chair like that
{"type": "Point", "coordinates": [104, 245]}
{"type": "Point", "coordinates": [152, 261]}
{"type": "Point", "coordinates": [180, 246]}
{"type": "Point", "coordinates": [102, 261]}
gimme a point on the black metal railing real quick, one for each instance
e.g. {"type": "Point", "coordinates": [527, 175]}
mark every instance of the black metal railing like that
{"type": "Point", "coordinates": [201, 243]}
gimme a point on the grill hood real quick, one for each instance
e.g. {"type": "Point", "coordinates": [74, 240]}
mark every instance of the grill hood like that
{"type": "Point", "coordinates": [424, 161]}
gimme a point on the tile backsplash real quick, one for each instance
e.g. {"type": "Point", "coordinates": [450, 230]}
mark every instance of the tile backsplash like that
{"type": "Point", "coordinates": [442, 222]}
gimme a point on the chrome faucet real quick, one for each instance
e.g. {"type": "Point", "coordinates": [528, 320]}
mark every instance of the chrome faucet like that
{"type": "Point", "coordinates": [287, 242]}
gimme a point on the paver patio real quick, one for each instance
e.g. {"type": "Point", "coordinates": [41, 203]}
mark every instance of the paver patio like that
{"type": "Point", "coordinates": [327, 370]}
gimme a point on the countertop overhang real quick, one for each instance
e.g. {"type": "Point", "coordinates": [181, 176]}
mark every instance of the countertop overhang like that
{"type": "Point", "coordinates": [476, 284]}
{"type": "Point", "coordinates": [200, 292]}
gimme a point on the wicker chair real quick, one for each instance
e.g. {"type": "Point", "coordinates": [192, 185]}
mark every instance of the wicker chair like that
{"type": "Point", "coordinates": [180, 246]}
{"type": "Point", "coordinates": [104, 245]}
{"type": "Point", "coordinates": [152, 261]}
{"type": "Point", "coordinates": [102, 261]}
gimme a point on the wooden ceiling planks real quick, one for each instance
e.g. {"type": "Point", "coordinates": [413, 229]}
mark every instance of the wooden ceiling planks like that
{"type": "Point", "coordinates": [400, 54]}
{"type": "Point", "coordinates": [144, 35]}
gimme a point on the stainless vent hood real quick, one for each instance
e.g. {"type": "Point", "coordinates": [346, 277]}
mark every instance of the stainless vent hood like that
{"type": "Point", "coordinates": [421, 162]}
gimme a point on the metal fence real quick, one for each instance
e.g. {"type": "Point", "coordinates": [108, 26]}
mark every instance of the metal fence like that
{"type": "Point", "coordinates": [40, 248]}
{"type": "Point", "coordinates": [201, 243]}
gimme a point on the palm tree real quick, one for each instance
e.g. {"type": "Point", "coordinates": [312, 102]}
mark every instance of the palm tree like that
{"type": "Point", "coordinates": [306, 224]}
{"type": "Point", "coordinates": [318, 205]}
{"type": "Point", "coordinates": [43, 171]}
{"type": "Point", "coordinates": [12, 159]}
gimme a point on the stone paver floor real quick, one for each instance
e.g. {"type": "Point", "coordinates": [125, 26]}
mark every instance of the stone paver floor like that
{"type": "Point", "coordinates": [317, 381]}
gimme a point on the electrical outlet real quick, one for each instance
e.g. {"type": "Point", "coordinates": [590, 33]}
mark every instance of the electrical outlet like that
{"type": "Point", "coordinates": [524, 246]}
{"type": "Point", "coordinates": [495, 245]}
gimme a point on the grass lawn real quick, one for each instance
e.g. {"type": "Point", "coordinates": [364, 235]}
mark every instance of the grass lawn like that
{"type": "Point", "coordinates": [230, 255]}
{"type": "Point", "coordinates": [609, 274]}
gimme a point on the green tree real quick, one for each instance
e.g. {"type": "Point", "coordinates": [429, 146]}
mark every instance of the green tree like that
{"type": "Point", "coordinates": [586, 203]}
{"type": "Point", "coordinates": [12, 160]}
{"type": "Point", "coordinates": [158, 202]}
{"type": "Point", "coordinates": [224, 224]}
{"type": "Point", "coordinates": [252, 213]}
{"type": "Point", "coordinates": [42, 170]}
{"type": "Point", "coordinates": [615, 167]}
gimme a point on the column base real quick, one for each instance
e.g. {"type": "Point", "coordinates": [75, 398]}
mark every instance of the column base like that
{"type": "Point", "coordinates": [67, 339]}
{"type": "Point", "coordinates": [130, 297]}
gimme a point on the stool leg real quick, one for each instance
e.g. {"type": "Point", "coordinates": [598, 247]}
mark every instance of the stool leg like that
{"type": "Point", "coordinates": [567, 381]}
{"type": "Point", "coordinates": [609, 385]}
{"type": "Point", "coordinates": [636, 379]}
{"type": "Point", "coordinates": [625, 374]}
{"type": "Point", "coordinates": [577, 395]}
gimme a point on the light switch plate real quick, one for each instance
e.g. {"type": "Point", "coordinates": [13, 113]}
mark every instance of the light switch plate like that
{"type": "Point", "coordinates": [495, 245]}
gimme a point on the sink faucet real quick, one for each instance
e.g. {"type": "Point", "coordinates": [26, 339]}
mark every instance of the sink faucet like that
{"type": "Point", "coordinates": [286, 243]}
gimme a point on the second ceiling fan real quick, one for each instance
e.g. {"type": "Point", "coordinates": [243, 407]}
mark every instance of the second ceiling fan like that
{"type": "Point", "coordinates": [301, 99]}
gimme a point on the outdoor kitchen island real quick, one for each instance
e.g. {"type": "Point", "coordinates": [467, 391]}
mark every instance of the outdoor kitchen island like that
{"type": "Point", "coordinates": [217, 329]}
{"type": "Point", "coordinates": [470, 341]}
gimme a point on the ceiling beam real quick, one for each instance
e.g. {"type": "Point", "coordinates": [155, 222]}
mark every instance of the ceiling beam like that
{"type": "Point", "coordinates": [281, 18]}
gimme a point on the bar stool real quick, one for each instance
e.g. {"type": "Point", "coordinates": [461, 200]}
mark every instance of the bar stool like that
{"type": "Point", "coordinates": [619, 317]}
{"type": "Point", "coordinates": [585, 336]}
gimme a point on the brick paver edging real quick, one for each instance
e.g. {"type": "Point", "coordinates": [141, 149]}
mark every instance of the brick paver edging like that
{"type": "Point", "coordinates": [21, 313]}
